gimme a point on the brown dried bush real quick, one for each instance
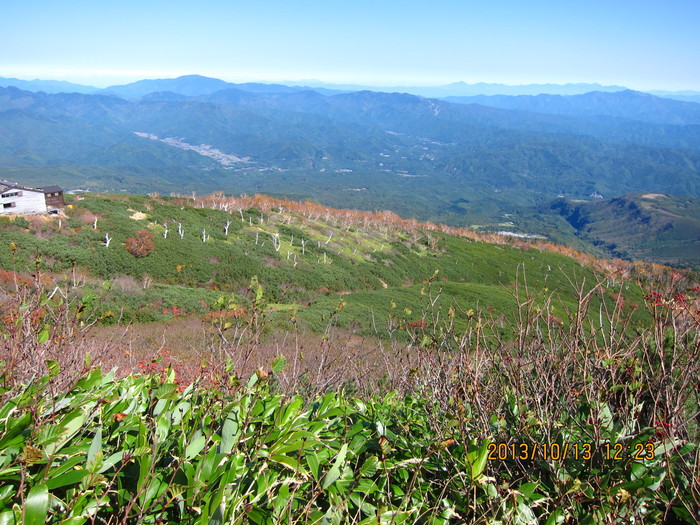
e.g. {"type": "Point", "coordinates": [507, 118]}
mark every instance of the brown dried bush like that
{"type": "Point", "coordinates": [141, 245]}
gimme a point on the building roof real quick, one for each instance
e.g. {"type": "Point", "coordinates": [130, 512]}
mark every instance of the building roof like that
{"type": "Point", "coordinates": [7, 185]}
{"type": "Point", "coordinates": [51, 189]}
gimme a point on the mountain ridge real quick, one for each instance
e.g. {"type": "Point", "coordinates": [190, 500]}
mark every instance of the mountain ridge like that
{"type": "Point", "coordinates": [459, 88]}
{"type": "Point", "coordinates": [635, 105]}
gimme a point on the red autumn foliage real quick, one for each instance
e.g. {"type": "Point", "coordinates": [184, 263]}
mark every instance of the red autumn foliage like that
{"type": "Point", "coordinates": [141, 244]}
{"type": "Point", "coordinates": [9, 278]}
{"type": "Point", "coordinates": [174, 311]}
{"type": "Point", "coordinates": [225, 314]}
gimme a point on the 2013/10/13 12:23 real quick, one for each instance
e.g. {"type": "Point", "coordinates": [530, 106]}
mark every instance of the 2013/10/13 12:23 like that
{"type": "Point", "coordinates": [563, 451]}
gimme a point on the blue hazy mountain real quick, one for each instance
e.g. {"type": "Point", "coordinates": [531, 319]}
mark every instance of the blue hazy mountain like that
{"type": "Point", "coordinates": [626, 104]}
{"type": "Point", "coordinates": [47, 86]}
{"type": "Point", "coordinates": [191, 85]}
{"type": "Point", "coordinates": [464, 89]}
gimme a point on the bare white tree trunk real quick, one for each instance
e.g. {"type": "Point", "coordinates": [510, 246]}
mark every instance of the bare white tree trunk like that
{"type": "Point", "coordinates": [276, 242]}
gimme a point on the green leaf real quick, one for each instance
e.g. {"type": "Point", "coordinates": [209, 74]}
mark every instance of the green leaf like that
{"type": "Point", "coordinates": [196, 446]}
{"type": "Point", "coordinates": [15, 427]}
{"type": "Point", "coordinates": [278, 364]}
{"type": "Point", "coordinates": [290, 410]}
{"type": "Point", "coordinates": [369, 467]}
{"type": "Point", "coordinates": [53, 367]}
{"type": "Point", "coordinates": [43, 336]}
{"type": "Point", "coordinates": [111, 461]}
{"type": "Point", "coordinates": [526, 489]}
{"type": "Point", "coordinates": [36, 505]}
{"type": "Point", "coordinates": [334, 473]}
{"type": "Point", "coordinates": [555, 517]}
{"type": "Point", "coordinates": [252, 381]}
{"type": "Point", "coordinates": [479, 464]}
{"type": "Point", "coordinates": [95, 446]}
{"type": "Point", "coordinates": [605, 417]}
{"type": "Point", "coordinates": [230, 433]}
{"type": "Point", "coordinates": [78, 520]}
{"type": "Point", "coordinates": [70, 477]}
{"type": "Point", "coordinates": [282, 499]}
{"type": "Point", "coordinates": [5, 493]}
{"type": "Point", "coordinates": [394, 517]}
{"type": "Point", "coordinates": [71, 424]}
{"type": "Point", "coordinates": [287, 461]}
{"type": "Point", "coordinates": [7, 518]}
{"type": "Point", "coordinates": [314, 464]}
{"type": "Point", "coordinates": [163, 427]}
{"type": "Point", "coordinates": [91, 379]}
{"type": "Point", "coordinates": [644, 482]}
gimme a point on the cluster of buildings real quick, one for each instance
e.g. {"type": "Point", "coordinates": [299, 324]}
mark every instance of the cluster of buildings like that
{"type": "Point", "coordinates": [19, 199]}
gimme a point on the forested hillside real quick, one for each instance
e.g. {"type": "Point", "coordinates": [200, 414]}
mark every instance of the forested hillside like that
{"type": "Point", "coordinates": [650, 226]}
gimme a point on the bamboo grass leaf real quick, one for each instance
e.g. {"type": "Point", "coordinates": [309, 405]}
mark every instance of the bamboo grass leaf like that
{"type": "Point", "coordinates": [334, 473]}
{"type": "Point", "coordinates": [36, 505]}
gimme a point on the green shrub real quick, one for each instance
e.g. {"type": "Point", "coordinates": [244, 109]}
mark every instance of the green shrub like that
{"type": "Point", "coordinates": [20, 222]}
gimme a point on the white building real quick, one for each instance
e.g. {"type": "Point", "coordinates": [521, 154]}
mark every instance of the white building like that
{"type": "Point", "coordinates": [19, 199]}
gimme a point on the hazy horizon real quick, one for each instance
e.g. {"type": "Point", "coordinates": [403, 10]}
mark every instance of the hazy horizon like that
{"type": "Point", "coordinates": [114, 79]}
{"type": "Point", "coordinates": [301, 82]}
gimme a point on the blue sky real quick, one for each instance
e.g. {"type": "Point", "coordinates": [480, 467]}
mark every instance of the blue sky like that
{"type": "Point", "coordinates": [641, 44]}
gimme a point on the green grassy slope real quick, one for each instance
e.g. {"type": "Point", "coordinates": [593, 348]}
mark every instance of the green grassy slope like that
{"type": "Point", "coordinates": [308, 261]}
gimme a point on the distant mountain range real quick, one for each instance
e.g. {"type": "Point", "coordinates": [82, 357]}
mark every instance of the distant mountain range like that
{"type": "Point", "coordinates": [193, 85]}
{"type": "Point", "coordinates": [625, 104]}
{"type": "Point", "coordinates": [488, 161]}
{"type": "Point", "coordinates": [47, 86]}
